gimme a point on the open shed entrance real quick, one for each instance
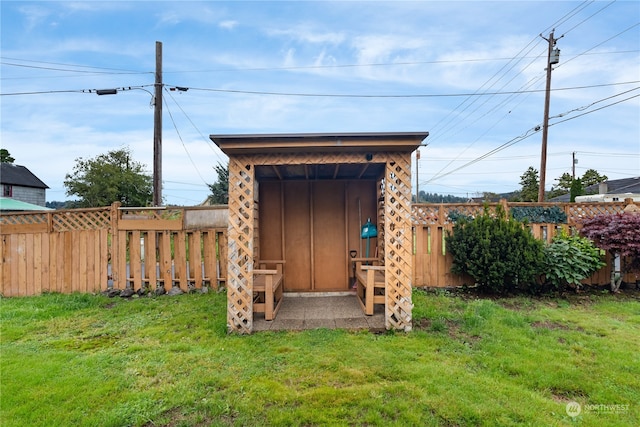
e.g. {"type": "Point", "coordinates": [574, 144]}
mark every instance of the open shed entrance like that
{"type": "Point", "coordinates": [302, 199]}
{"type": "Point", "coordinates": [316, 226]}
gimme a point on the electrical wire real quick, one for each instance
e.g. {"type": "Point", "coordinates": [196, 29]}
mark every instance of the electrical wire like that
{"type": "Point", "coordinates": [521, 138]}
{"type": "Point", "coordinates": [381, 96]}
{"type": "Point", "coordinates": [183, 144]}
{"type": "Point", "coordinates": [208, 141]}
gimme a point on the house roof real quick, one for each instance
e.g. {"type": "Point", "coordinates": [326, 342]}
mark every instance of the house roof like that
{"type": "Point", "coordinates": [9, 204]}
{"type": "Point", "coordinates": [614, 186]}
{"type": "Point", "coordinates": [318, 142]}
{"type": "Point", "coordinates": [19, 175]}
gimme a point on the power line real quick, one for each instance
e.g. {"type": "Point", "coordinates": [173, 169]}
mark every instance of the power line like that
{"type": "Point", "coordinates": [520, 138]}
{"type": "Point", "coordinates": [381, 96]}
{"type": "Point", "coordinates": [208, 141]}
{"type": "Point", "coordinates": [183, 144]}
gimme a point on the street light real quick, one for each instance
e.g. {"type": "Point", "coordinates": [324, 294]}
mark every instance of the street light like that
{"type": "Point", "coordinates": [157, 136]}
{"type": "Point", "coordinates": [107, 91]}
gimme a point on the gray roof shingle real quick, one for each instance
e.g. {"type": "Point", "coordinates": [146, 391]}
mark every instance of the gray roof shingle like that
{"type": "Point", "coordinates": [19, 175]}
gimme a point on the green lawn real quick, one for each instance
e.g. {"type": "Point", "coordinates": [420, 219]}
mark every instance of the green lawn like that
{"type": "Point", "coordinates": [82, 360]}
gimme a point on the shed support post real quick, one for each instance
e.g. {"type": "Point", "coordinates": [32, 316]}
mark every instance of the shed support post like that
{"type": "Point", "coordinates": [398, 242]}
{"type": "Point", "coordinates": [240, 247]}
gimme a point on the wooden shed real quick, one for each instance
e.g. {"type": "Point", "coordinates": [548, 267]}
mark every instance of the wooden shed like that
{"type": "Point", "coordinates": [303, 198]}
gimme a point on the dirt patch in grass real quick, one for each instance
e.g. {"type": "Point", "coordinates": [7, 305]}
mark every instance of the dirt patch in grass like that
{"type": "Point", "coordinates": [546, 324]}
{"type": "Point", "coordinates": [451, 327]}
{"type": "Point", "coordinates": [176, 418]}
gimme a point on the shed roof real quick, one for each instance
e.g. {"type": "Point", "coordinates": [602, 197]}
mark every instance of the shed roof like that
{"type": "Point", "coordinates": [235, 144]}
{"type": "Point", "coordinates": [9, 204]}
{"type": "Point", "coordinates": [19, 175]}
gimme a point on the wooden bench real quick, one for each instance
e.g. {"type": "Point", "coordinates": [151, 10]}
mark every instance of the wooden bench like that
{"type": "Point", "coordinates": [370, 286]}
{"type": "Point", "coordinates": [268, 289]}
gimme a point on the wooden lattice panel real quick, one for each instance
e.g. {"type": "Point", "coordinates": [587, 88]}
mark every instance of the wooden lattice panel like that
{"type": "Point", "coordinates": [468, 210]}
{"type": "Point", "coordinates": [581, 211]}
{"type": "Point", "coordinates": [240, 244]}
{"type": "Point", "coordinates": [311, 158]}
{"type": "Point", "coordinates": [22, 218]}
{"type": "Point", "coordinates": [398, 242]}
{"type": "Point", "coordinates": [424, 214]}
{"type": "Point", "coordinates": [82, 220]}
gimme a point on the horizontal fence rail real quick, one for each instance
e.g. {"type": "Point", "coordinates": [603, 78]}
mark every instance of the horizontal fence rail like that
{"type": "Point", "coordinates": [93, 250]}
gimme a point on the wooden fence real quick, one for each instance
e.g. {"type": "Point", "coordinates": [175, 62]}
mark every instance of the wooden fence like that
{"type": "Point", "coordinates": [91, 250]}
{"type": "Point", "coordinates": [432, 263]}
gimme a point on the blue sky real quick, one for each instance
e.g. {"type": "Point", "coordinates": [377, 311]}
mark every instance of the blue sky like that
{"type": "Point", "coordinates": [470, 73]}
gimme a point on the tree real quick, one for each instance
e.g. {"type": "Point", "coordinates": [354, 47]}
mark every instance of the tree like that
{"type": "Point", "coordinates": [220, 189]}
{"type": "Point", "coordinates": [620, 235]}
{"type": "Point", "coordinates": [592, 177]}
{"type": "Point", "coordinates": [108, 178]}
{"type": "Point", "coordinates": [500, 254]}
{"type": "Point", "coordinates": [562, 187]}
{"type": "Point", "coordinates": [5, 157]}
{"type": "Point", "coordinates": [576, 190]}
{"type": "Point", "coordinates": [530, 183]}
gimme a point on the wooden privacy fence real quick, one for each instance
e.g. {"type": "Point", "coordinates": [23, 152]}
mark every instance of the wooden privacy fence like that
{"type": "Point", "coordinates": [432, 262]}
{"type": "Point", "coordinates": [92, 250]}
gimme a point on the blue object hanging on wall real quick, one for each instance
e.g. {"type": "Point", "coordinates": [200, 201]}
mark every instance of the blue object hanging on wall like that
{"type": "Point", "coordinates": [369, 230]}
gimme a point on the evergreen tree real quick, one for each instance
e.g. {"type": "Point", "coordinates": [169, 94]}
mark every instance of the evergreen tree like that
{"type": "Point", "coordinates": [530, 183]}
{"type": "Point", "coordinates": [220, 189]}
{"type": "Point", "coordinates": [576, 190]}
{"type": "Point", "coordinates": [5, 157]}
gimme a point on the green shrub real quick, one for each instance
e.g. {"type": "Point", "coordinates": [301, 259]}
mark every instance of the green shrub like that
{"type": "Point", "coordinates": [500, 254]}
{"type": "Point", "coordinates": [569, 259]}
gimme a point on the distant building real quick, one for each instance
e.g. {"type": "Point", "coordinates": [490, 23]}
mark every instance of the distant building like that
{"type": "Point", "coordinates": [609, 191]}
{"type": "Point", "coordinates": [17, 182]}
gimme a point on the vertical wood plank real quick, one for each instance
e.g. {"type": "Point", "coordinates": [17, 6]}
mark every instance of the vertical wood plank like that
{"type": "Point", "coordinates": [180, 259]}
{"type": "Point", "coordinates": [123, 278]}
{"type": "Point", "coordinates": [83, 263]}
{"type": "Point", "coordinates": [209, 255]}
{"type": "Point", "coordinates": [68, 267]}
{"type": "Point", "coordinates": [195, 258]}
{"type": "Point", "coordinates": [165, 260]}
{"type": "Point", "coordinates": [135, 262]}
{"type": "Point", "coordinates": [103, 259]}
{"type": "Point", "coordinates": [150, 262]}
{"type": "Point", "coordinates": [22, 266]}
{"type": "Point", "coordinates": [37, 263]}
{"type": "Point", "coordinates": [29, 258]}
{"type": "Point", "coordinates": [12, 264]}
{"type": "Point", "coordinates": [92, 237]}
{"type": "Point", "coordinates": [223, 255]}
{"type": "Point", "coordinates": [46, 262]}
{"type": "Point", "coordinates": [4, 275]}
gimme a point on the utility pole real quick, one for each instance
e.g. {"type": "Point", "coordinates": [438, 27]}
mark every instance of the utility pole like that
{"type": "Point", "coordinates": [553, 57]}
{"type": "Point", "coordinates": [157, 130]}
{"type": "Point", "coordinates": [573, 165]}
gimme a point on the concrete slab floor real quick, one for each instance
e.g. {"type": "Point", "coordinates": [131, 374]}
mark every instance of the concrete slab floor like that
{"type": "Point", "coordinates": [312, 311]}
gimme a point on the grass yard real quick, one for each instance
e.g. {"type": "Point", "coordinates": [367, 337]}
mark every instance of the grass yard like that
{"type": "Point", "coordinates": [83, 360]}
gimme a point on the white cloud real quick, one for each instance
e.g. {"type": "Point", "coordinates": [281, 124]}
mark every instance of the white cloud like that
{"type": "Point", "coordinates": [228, 24]}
